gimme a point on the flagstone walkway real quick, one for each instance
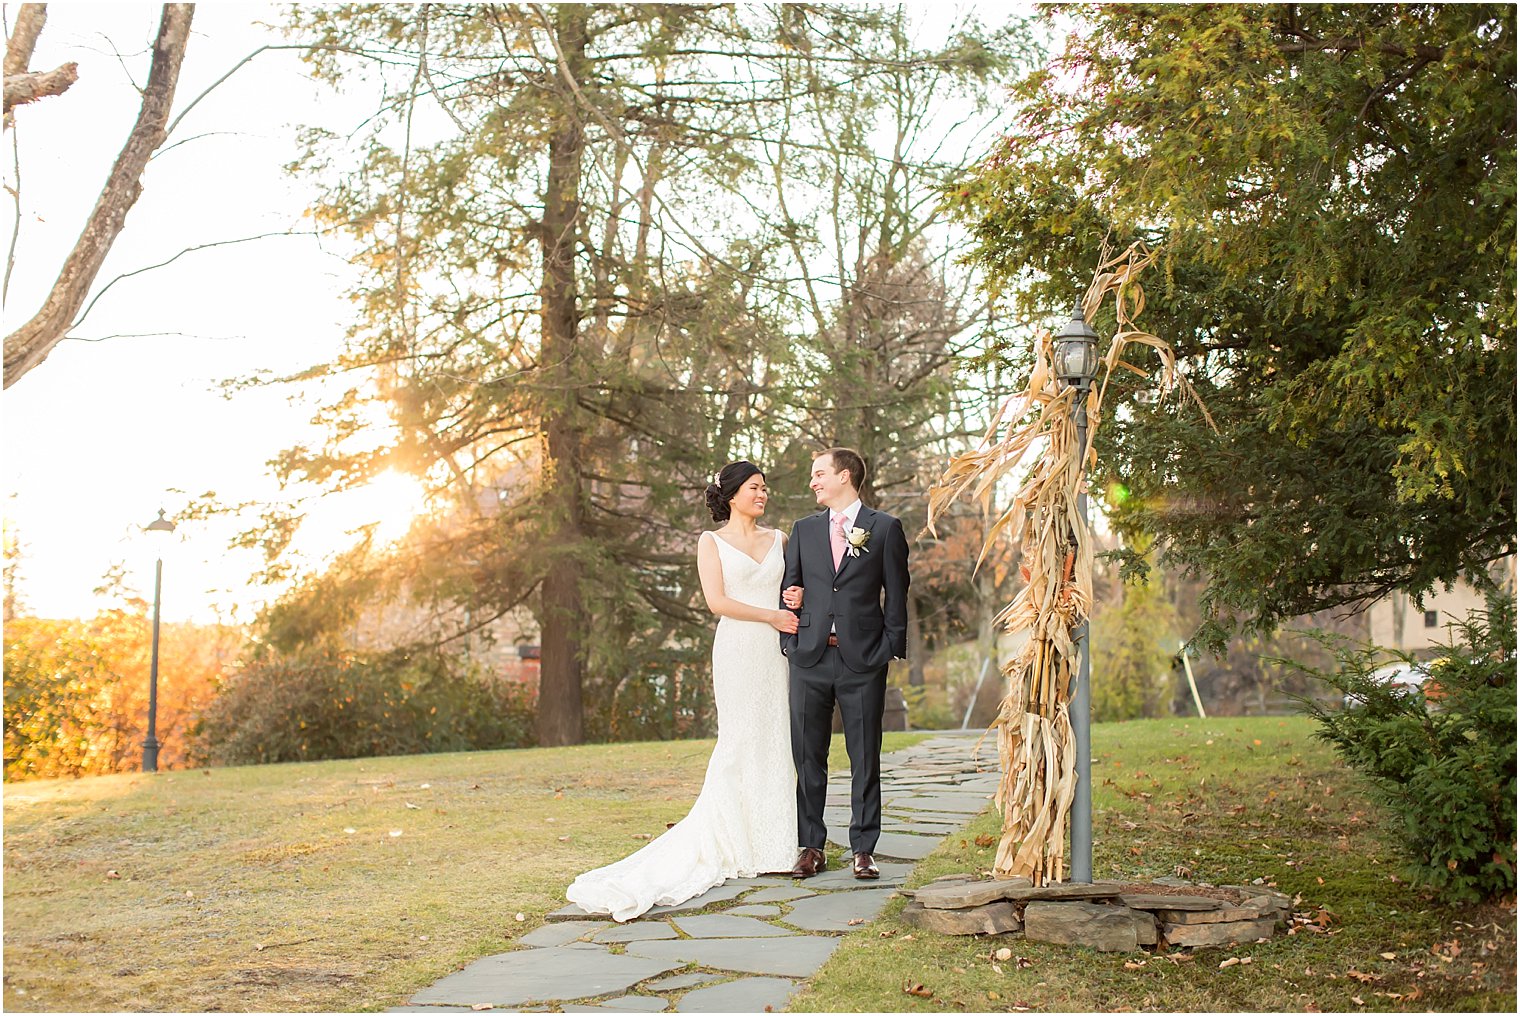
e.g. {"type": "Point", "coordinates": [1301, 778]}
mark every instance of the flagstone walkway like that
{"type": "Point", "coordinates": [748, 944]}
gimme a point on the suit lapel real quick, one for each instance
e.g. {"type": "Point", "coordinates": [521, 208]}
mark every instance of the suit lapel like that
{"type": "Point", "coordinates": [821, 540]}
{"type": "Point", "coordinates": [863, 520]}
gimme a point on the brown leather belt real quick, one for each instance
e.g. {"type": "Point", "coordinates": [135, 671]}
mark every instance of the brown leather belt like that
{"type": "Point", "coordinates": [834, 640]}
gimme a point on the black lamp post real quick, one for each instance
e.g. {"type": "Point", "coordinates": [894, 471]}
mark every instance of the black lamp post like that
{"type": "Point", "coordinates": [1076, 354]}
{"type": "Point", "coordinates": [150, 743]}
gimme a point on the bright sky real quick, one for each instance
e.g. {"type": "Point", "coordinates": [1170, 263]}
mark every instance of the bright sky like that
{"type": "Point", "coordinates": [105, 433]}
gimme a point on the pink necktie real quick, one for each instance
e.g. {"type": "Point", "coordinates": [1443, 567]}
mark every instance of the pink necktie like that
{"type": "Point", "coordinates": [836, 539]}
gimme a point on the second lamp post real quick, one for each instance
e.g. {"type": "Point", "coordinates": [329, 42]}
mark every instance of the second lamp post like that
{"type": "Point", "coordinates": [150, 746]}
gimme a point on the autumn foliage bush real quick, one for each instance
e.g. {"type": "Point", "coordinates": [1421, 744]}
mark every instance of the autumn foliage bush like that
{"type": "Point", "coordinates": [332, 704]}
{"type": "Point", "coordinates": [76, 690]}
{"type": "Point", "coordinates": [1443, 762]}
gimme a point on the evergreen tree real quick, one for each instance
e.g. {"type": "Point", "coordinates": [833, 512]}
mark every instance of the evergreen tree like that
{"type": "Point", "coordinates": [1334, 187]}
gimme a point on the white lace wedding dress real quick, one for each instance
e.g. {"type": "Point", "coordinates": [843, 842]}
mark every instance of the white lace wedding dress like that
{"type": "Point", "coordinates": [744, 822]}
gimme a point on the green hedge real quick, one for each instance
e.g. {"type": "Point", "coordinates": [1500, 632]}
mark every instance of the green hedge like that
{"type": "Point", "coordinates": [1444, 765]}
{"type": "Point", "coordinates": [350, 705]}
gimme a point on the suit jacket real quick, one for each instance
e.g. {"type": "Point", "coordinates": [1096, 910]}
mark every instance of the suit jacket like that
{"type": "Point", "coordinates": [866, 600]}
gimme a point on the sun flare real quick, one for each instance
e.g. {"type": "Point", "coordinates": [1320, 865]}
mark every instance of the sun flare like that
{"type": "Point", "coordinates": [390, 503]}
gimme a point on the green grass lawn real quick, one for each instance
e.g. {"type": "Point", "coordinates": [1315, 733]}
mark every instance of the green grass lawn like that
{"type": "Point", "coordinates": [1227, 801]}
{"type": "Point", "coordinates": [244, 889]}
{"type": "Point", "coordinates": [313, 886]}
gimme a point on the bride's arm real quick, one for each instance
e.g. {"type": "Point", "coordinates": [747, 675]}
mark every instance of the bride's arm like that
{"type": "Point", "coordinates": [710, 568]}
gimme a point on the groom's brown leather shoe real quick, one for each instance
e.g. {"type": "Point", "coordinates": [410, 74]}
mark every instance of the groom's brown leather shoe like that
{"type": "Point", "coordinates": [865, 867]}
{"type": "Point", "coordinates": [809, 863]}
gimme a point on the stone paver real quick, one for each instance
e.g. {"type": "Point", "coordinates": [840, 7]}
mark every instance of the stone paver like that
{"type": "Point", "coordinates": [725, 926]}
{"type": "Point", "coordinates": [842, 878]}
{"type": "Point", "coordinates": [716, 894]}
{"type": "Point", "coordinates": [681, 981]}
{"type": "Point", "coordinates": [748, 994]}
{"type": "Point", "coordinates": [835, 911]}
{"type": "Point", "coordinates": [788, 956]}
{"type": "Point", "coordinates": [929, 791]}
{"type": "Point", "coordinates": [906, 845]}
{"type": "Point", "coordinates": [561, 933]}
{"type": "Point", "coordinates": [624, 1003]}
{"type": "Point", "coordinates": [542, 975]}
{"type": "Point", "coordinates": [638, 932]}
{"type": "Point", "coordinates": [954, 804]}
{"type": "Point", "coordinates": [778, 895]}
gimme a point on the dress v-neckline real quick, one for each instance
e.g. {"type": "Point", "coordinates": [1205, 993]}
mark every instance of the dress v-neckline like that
{"type": "Point", "coordinates": [756, 561]}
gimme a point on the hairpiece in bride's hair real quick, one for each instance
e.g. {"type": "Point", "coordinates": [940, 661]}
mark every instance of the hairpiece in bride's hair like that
{"type": "Point", "coordinates": [726, 483]}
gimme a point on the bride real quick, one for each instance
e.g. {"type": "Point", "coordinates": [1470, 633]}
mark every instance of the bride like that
{"type": "Point", "coordinates": [744, 822]}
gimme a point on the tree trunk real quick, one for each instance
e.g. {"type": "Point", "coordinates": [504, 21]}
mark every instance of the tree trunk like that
{"type": "Point", "coordinates": [30, 344]}
{"type": "Point", "coordinates": [562, 616]}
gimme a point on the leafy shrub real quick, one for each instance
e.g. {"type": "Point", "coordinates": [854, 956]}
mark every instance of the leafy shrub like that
{"type": "Point", "coordinates": [76, 691]}
{"type": "Point", "coordinates": [1443, 763]}
{"type": "Point", "coordinates": [354, 705]}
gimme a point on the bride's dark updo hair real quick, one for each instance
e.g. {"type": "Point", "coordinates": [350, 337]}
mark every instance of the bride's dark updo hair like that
{"type": "Point", "coordinates": [730, 478]}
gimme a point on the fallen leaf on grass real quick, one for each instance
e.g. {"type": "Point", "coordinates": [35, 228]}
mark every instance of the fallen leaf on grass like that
{"type": "Point", "coordinates": [642, 836]}
{"type": "Point", "coordinates": [520, 916]}
{"type": "Point", "coordinates": [886, 934]}
{"type": "Point", "coordinates": [855, 920]}
{"type": "Point", "coordinates": [993, 996]}
{"type": "Point", "coordinates": [1232, 961]}
{"type": "Point", "coordinates": [918, 989]}
{"type": "Point", "coordinates": [395, 832]}
{"type": "Point", "coordinates": [1389, 956]}
{"type": "Point", "coordinates": [1357, 975]}
{"type": "Point", "coordinates": [424, 786]}
{"type": "Point", "coordinates": [1357, 1000]}
{"type": "Point", "coordinates": [112, 874]}
{"type": "Point", "coordinates": [482, 1006]}
{"type": "Point", "coordinates": [1133, 964]}
{"type": "Point", "coordinates": [986, 840]}
{"type": "Point", "coordinates": [1005, 954]}
{"type": "Point", "coordinates": [414, 807]}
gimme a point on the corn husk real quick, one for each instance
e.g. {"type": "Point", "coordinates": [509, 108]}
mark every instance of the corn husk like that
{"type": "Point", "coordinates": [1033, 725]}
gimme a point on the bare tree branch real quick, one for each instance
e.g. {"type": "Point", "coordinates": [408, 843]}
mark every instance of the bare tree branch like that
{"type": "Point", "coordinates": [21, 85]}
{"type": "Point", "coordinates": [33, 85]}
{"type": "Point", "coordinates": [30, 344]}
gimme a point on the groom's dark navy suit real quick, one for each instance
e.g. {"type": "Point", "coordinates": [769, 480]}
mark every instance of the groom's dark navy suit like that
{"type": "Point", "coordinates": [865, 601]}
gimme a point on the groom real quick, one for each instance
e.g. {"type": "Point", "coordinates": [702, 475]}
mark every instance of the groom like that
{"type": "Point", "coordinates": [847, 569]}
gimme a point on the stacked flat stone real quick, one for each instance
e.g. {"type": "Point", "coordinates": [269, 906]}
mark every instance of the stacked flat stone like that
{"type": "Point", "coordinates": [1105, 916]}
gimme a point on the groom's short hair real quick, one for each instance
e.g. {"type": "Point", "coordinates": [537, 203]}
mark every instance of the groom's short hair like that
{"type": "Point", "coordinates": [848, 459]}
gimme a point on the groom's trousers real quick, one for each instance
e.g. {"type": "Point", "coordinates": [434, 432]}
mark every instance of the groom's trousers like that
{"type": "Point", "coordinates": [861, 699]}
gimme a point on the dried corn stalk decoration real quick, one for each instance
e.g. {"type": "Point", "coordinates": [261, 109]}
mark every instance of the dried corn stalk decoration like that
{"type": "Point", "coordinates": [1034, 732]}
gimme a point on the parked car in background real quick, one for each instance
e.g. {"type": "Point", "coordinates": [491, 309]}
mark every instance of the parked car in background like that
{"type": "Point", "coordinates": [1403, 677]}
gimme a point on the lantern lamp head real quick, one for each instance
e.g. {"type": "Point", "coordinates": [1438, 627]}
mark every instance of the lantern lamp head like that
{"type": "Point", "coordinates": [160, 524]}
{"type": "Point", "coordinates": [1077, 351]}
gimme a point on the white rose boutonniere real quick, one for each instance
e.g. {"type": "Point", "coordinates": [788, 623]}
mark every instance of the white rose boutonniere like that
{"type": "Point", "coordinates": [856, 540]}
